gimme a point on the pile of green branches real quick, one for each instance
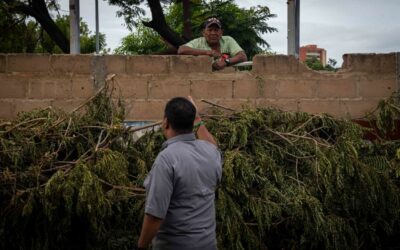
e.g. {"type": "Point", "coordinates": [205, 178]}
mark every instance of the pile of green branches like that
{"type": "Point", "coordinates": [66, 179]}
{"type": "Point", "coordinates": [301, 181]}
{"type": "Point", "coordinates": [291, 180]}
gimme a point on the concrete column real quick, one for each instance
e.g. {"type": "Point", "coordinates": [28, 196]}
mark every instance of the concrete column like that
{"type": "Point", "coordinates": [97, 28]}
{"type": "Point", "coordinates": [75, 47]}
{"type": "Point", "coordinates": [293, 27]}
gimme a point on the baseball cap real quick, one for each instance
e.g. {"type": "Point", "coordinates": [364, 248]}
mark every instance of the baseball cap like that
{"type": "Point", "coordinates": [212, 20]}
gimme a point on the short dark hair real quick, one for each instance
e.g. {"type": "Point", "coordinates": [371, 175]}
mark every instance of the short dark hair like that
{"type": "Point", "coordinates": [180, 113]}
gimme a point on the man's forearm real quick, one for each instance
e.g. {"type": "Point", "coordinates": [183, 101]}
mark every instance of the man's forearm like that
{"type": "Point", "coordinates": [150, 228]}
{"type": "Point", "coordinates": [185, 50]}
{"type": "Point", "coordinates": [238, 58]}
{"type": "Point", "coordinates": [202, 131]}
{"type": "Point", "coordinates": [204, 134]}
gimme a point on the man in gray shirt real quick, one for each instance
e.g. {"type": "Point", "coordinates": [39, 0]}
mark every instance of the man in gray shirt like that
{"type": "Point", "coordinates": [180, 188]}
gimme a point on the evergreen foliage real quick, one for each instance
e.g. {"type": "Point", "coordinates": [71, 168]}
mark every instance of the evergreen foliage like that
{"type": "Point", "coordinates": [291, 180]}
{"type": "Point", "coordinates": [66, 179]}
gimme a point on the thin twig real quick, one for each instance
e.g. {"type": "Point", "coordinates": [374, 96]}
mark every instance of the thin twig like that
{"type": "Point", "coordinates": [5, 124]}
{"type": "Point", "coordinates": [24, 122]}
{"type": "Point", "coordinates": [98, 141]}
{"type": "Point", "coordinates": [312, 139]}
{"type": "Point", "coordinates": [304, 124]}
{"type": "Point", "coordinates": [297, 172]}
{"type": "Point", "coordinates": [279, 134]}
{"type": "Point", "coordinates": [135, 189]}
{"type": "Point", "coordinates": [87, 101]}
{"type": "Point", "coordinates": [217, 105]}
{"type": "Point", "coordinates": [146, 126]}
{"type": "Point", "coordinates": [57, 168]}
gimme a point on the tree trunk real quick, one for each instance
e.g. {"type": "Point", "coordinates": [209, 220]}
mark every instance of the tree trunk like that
{"type": "Point", "coordinates": [187, 23]}
{"type": "Point", "coordinates": [38, 10]}
{"type": "Point", "coordinates": [159, 24]}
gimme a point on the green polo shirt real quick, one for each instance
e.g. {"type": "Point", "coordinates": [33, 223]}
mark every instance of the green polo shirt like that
{"type": "Point", "coordinates": [227, 43]}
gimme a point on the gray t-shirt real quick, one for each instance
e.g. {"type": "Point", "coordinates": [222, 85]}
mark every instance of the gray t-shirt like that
{"type": "Point", "coordinates": [181, 190]}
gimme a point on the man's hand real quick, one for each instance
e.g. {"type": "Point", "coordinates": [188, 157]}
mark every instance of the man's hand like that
{"type": "Point", "coordinates": [213, 53]}
{"type": "Point", "coordinates": [218, 65]}
{"type": "Point", "coordinates": [202, 131]}
{"type": "Point", "coordinates": [150, 228]}
{"type": "Point", "coordinates": [197, 118]}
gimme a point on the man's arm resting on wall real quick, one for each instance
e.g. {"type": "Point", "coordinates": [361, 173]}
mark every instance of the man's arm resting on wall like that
{"type": "Point", "coordinates": [238, 58]}
{"type": "Point", "coordinates": [185, 50]}
{"type": "Point", "coordinates": [150, 228]}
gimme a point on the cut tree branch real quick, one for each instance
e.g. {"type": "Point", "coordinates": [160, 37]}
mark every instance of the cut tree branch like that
{"type": "Point", "coordinates": [159, 24]}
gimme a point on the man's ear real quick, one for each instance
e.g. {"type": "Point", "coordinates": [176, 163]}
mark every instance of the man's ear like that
{"type": "Point", "coordinates": [165, 123]}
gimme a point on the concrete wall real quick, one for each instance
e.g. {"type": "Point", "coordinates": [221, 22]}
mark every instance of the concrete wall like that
{"type": "Point", "coordinates": [31, 81]}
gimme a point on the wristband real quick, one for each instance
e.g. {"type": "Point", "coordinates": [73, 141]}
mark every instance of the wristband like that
{"type": "Point", "coordinates": [198, 124]}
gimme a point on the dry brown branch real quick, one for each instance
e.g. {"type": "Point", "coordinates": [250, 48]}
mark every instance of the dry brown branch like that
{"type": "Point", "coordinates": [5, 124]}
{"type": "Point", "coordinates": [135, 189]}
{"type": "Point", "coordinates": [109, 78]}
{"type": "Point", "coordinates": [146, 126]}
{"type": "Point", "coordinates": [217, 105]}
{"type": "Point", "coordinates": [22, 123]}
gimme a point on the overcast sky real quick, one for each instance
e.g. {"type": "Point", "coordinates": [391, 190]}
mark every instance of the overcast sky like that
{"type": "Point", "coordinates": [339, 26]}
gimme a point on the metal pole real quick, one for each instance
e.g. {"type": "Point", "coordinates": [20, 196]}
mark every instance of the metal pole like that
{"type": "Point", "coordinates": [293, 27]}
{"type": "Point", "coordinates": [74, 26]}
{"type": "Point", "coordinates": [97, 28]}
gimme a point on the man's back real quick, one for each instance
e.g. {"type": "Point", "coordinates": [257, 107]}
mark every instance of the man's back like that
{"type": "Point", "coordinates": [183, 181]}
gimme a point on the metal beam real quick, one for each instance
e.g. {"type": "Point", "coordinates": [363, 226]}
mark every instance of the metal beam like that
{"type": "Point", "coordinates": [74, 27]}
{"type": "Point", "coordinates": [97, 28]}
{"type": "Point", "coordinates": [293, 27]}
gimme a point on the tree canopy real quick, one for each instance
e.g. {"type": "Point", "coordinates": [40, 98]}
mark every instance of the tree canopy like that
{"type": "Point", "coordinates": [246, 25]}
{"type": "Point", "coordinates": [87, 39]}
{"type": "Point", "coordinates": [181, 21]}
{"type": "Point", "coordinates": [315, 64]}
{"type": "Point", "coordinates": [141, 42]}
{"type": "Point", "coordinates": [37, 26]}
{"type": "Point", "coordinates": [39, 10]}
{"type": "Point", "coordinates": [21, 34]}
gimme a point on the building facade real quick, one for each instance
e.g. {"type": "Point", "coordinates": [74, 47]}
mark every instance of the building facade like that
{"type": "Point", "coordinates": [312, 51]}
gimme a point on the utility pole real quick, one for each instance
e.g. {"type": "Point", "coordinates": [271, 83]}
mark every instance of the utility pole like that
{"type": "Point", "coordinates": [75, 47]}
{"type": "Point", "coordinates": [97, 28]}
{"type": "Point", "coordinates": [293, 27]}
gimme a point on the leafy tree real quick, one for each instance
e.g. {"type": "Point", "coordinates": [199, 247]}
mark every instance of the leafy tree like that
{"type": "Point", "coordinates": [315, 64]}
{"type": "Point", "coordinates": [131, 11]}
{"type": "Point", "coordinates": [21, 34]}
{"type": "Point", "coordinates": [17, 34]}
{"type": "Point", "coordinates": [143, 41]}
{"type": "Point", "coordinates": [245, 25]}
{"type": "Point", "coordinates": [39, 9]}
{"type": "Point", "coordinates": [87, 40]}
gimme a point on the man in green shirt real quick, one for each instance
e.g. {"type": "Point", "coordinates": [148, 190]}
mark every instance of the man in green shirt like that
{"type": "Point", "coordinates": [224, 49]}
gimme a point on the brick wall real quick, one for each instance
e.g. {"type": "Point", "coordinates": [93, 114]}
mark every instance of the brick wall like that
{"type": "Point", "coordinates": [31, 81]}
